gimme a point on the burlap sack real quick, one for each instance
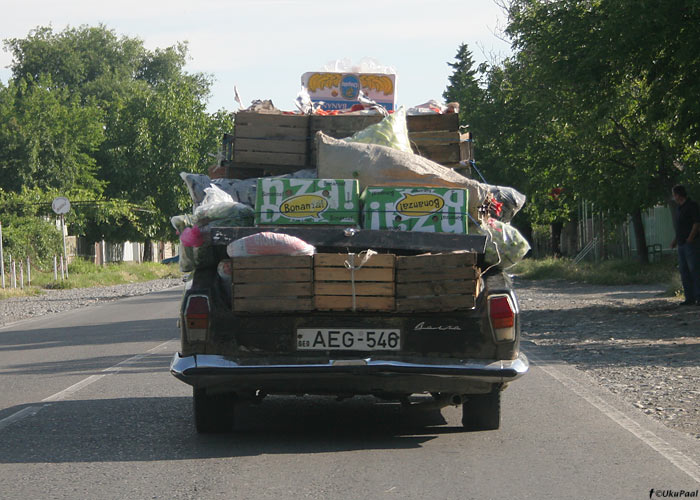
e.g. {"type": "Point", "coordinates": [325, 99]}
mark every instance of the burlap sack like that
{"type": "Point", "coordinates": [374, 165]}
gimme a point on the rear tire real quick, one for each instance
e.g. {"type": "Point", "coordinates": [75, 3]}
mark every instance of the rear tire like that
{"type": "Point", "coordinates": [482, 412]}
{"type": "Point", "coordinates": [213, 413]}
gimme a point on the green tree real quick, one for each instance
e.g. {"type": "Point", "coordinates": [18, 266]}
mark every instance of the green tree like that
{"type": "Point", "coordinates": [49, 137]}
{"type": "Point", "coordinates": [463, 86]}
{"type": "Point", "coordinates": [597, 124]}
{"type": "Point", "coordinates": [154, 119]}
{"type": "Point", "coordinates": [29, 227]}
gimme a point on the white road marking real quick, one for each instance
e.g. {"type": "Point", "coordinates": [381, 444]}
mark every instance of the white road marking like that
{"type": "Point", "coordinates": [684, 463]}
{"type": "Point", "coordinates": [30, 411]}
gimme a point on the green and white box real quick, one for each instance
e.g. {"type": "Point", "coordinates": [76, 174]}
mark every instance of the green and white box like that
{"type": "Point", "coordinates": [307, 201]}
{"type": "Point", "coordinates": [425, 209]}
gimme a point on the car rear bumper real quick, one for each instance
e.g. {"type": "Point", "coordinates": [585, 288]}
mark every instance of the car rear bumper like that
{"type": "Point", "coordinates": [346, 375]}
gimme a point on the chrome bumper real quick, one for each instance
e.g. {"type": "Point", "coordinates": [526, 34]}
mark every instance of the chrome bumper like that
{"type": "Point", "coordinates": [199, 367]}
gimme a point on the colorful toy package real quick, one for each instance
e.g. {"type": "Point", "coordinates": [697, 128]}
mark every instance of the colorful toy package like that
{"type": "Point", "coordinates": [338, 90]}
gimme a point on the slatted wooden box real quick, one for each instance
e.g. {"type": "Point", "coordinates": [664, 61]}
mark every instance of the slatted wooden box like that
{"type": "Point", "coordinates": [266, 143]}
{"type": "Point", "coordinates": [270, 141]}
{"type": "Point", "coordinates": [272, 283]}
{"type": "Point", "coordinates": [373, 284]}
{"type": "Point", "coordinates": [442, 282]}
{"type": "Point", "coordinates": [437, 138]}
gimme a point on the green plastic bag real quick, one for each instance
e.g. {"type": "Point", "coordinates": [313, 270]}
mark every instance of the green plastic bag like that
{"type": "Point", "coordinates": [392, 132]}
{"type": "Point", "coordinates": [505, 245]}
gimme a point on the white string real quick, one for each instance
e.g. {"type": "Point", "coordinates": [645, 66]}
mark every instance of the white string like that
{"type": "Point", "coordinates": [364, 257]}
{"type": "Point", "coordinates": [498, 253]}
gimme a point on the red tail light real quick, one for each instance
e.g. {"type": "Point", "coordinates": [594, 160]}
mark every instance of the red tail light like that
{"type": "Point", "coordinates": [197, 317]}
{"type": "Point", "coordinates": [502, 317]}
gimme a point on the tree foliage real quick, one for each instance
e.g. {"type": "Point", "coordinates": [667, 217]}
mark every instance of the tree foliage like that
{"type": "Point", "coordinates": [101, 117]}
{"type": "Point", "coordinates": [589, 106]}
{"type": "Point", "coordinates": [28, 230]}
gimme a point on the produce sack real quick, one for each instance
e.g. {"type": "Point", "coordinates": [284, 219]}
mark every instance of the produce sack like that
{"type": "Point", "coordinates": [391, 132]}
{"type": "Point", "coordinates": [505, 245]}
{"type": "Point", "coordinates": [374, 165]}
{"type": "Point", "coordinates": [267, 243]}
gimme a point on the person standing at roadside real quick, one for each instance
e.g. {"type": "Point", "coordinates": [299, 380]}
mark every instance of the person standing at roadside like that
{"type": "Point", "coordinates": [687, 218]}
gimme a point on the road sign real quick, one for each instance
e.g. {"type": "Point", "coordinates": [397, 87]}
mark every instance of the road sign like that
{"type": "Point", "coordinates": [60, 205]}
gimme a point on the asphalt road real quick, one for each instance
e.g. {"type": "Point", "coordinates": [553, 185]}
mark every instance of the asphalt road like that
{"type": "Point", "coordinates": [88, 410]}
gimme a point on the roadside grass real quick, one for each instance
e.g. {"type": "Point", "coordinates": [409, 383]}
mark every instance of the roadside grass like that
{"type": "Point", "coordinates": [608, 272]}
{"type": "Point", "coordinates": [85, 274]}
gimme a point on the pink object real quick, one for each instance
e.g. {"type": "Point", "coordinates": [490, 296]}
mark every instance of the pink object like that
{"type": "Point", "coordinates": [267, 243]}
{"type": "Point", "coordinates": [192, 237]}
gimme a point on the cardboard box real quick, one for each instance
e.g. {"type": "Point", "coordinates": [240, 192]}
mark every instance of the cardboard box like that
{"type": "Point", "coordinates": [307, 201]}
{"type": "Point", "coordinates": [426, 209]}
{"type": "Point", "coordinates": [341, 90]}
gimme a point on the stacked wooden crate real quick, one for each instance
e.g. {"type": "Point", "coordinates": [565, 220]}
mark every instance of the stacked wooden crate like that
{"type": "Point", "coordinates": [270, 283]}
{"type": "Point", "coordinates": [442, 282]}
{"type": "Point", "coordinates": [270, 142]}
{"type": "Point", "coordinates": [280, 143]}
{"type": "Point", "coordinates": [437, 137]}
{"type": "Point", "coordinates": [343, 282]}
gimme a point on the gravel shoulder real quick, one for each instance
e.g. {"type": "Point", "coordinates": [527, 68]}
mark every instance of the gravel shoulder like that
{"type": "Point", "coordinates": [632, 340]}
{"type": "Point", "coordinates": [55, 301]}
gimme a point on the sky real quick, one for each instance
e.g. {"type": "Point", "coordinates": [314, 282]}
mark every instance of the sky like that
{"type": "Point", "coordinates": [264, 46]}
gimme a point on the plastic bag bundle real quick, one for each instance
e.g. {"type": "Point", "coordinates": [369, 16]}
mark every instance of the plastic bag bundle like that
{"type": "Point", "coordinates": [192, 237]}
{"type": "Point", "coordinates": [512, 200]}
{"type": "Point", "coordinates": [195, 186]}
{"type": "Point", "coordinates": [505, 245]}
{"type": "Point", "coordinates": [392, 132]}
{"type": "Point", "coordinates": [180, 222]}
{"type": "Point", "coordinates": [242, 191]}
{"type": "Point", "coordinates": [267, 243]}
{"type": "Point", "coordinates": [218, 205]}
{"type": "Point", "coordinates": [223, 269]}
{"type": "Point", "coordinates": [192, 258]}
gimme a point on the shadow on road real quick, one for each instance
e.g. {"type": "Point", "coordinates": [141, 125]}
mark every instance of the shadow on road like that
{"type": "Point", "coordinates": [88, 335]}
{"type": "Point", "coordinates": [144, 429]}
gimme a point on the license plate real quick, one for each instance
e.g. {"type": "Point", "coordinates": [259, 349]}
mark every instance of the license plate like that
{"type": "Point", "coordinates": [348, 339]}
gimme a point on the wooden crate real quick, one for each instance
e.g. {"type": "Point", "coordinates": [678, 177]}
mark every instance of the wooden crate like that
{"type": "Point", "coordinates": [441, 282]}
{"type": "Point", "coordinates": [373, 283]}
{"type": "Point", "coordinates": [437, 138]}
{"type": "Point", "coordinates": [448, 148]}
{"type": "Point", "coordinates": [275, 141]}
{"type": "Point", "coordinates": [431, 123]}
{"type": "Point", "coordinates": [269, 283]}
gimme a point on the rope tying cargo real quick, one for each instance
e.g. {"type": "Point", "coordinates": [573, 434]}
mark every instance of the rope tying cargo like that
{"type": "Point", "coordinates": [363, 256]}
